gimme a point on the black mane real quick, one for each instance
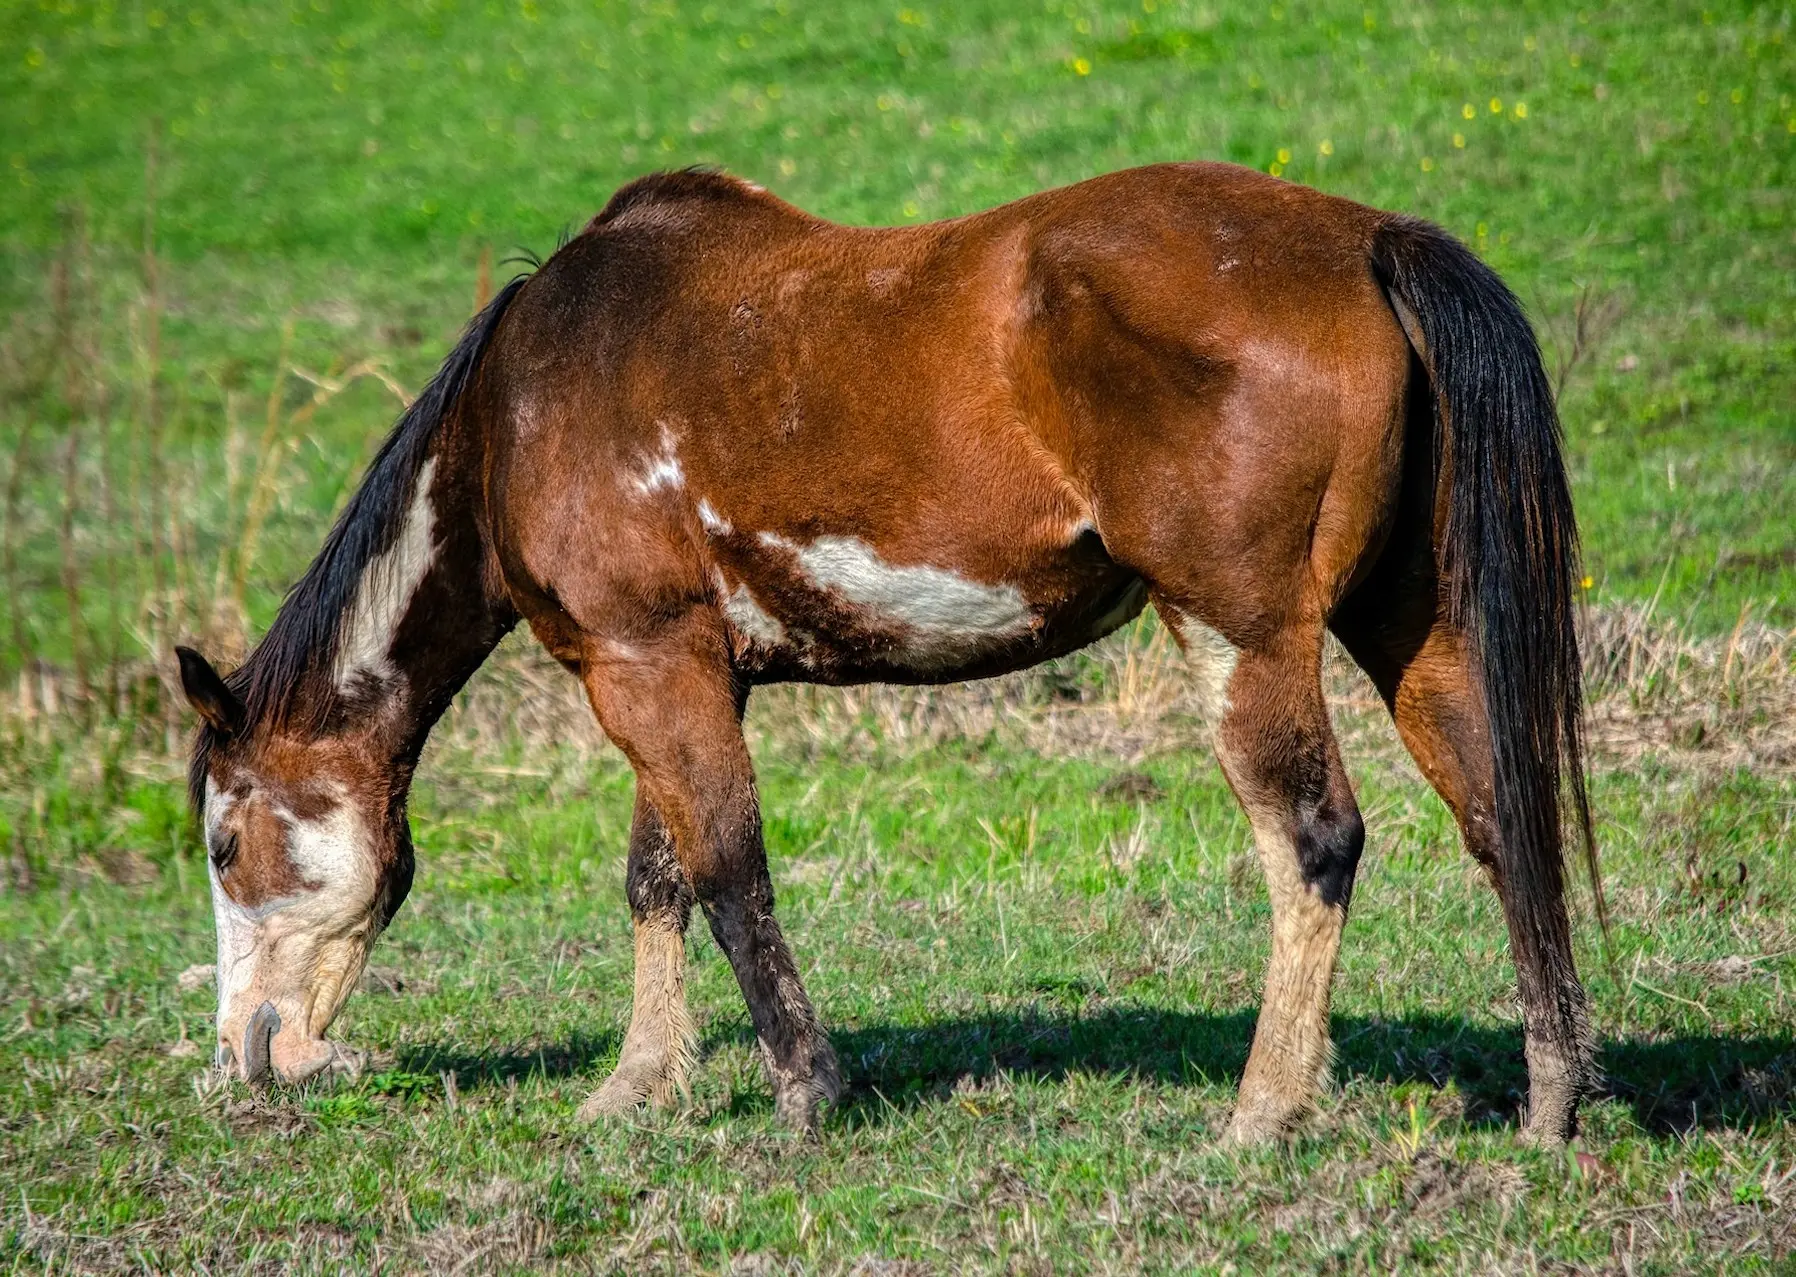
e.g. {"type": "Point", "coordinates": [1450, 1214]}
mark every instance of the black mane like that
{"type": "Point", "coordinates": [307, 634]}
{"type": "Point", "coordinates": [699, 182]}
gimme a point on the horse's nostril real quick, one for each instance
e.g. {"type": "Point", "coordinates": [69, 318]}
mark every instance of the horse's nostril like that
{"type": "Point", "coordinates": [257, 1038]}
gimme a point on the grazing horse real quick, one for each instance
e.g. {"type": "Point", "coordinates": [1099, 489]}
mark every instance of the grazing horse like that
{"type": "Point", "coordinates": [715, 442]}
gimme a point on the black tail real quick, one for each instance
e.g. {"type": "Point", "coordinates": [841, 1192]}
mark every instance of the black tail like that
{"type": "Point", "coordinates": [1509, 557]}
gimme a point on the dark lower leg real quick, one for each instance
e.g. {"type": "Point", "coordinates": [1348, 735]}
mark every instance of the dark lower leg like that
{"type": "Point", "coordinates": [1441, 718]}
{"type": "Point", "coordinates": [675, 710]}
{"type": "Point", "coordinates": [801, 1064]}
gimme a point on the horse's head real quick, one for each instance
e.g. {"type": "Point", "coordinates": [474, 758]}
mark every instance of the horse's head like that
{"type": "Point", "coordinates": [309, 856]}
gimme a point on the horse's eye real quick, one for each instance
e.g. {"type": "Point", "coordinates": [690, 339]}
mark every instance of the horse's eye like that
{"type": "Point", "coordinates": [224, 853]}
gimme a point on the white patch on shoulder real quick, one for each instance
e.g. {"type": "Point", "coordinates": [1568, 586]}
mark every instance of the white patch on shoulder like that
{"type": "Point", "coordinates": [1212, 659]}
{"type": "Point", "coordinates": [663, 469]}
{"type": "Point", "coordinates": [949, 617]}
{"type": "Point", "coordinates": [386, 588]}
{"type": "Point", "coordinates": [748, 616]}
{"type": "Point", "coordinates": [714, 523]}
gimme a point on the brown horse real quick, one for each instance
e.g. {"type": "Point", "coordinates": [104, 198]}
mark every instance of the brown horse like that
{"type": "Point", "coordinates": [715, 442]}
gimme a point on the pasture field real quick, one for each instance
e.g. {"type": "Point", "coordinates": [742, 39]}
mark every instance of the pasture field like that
{"type": "Point", "coordinates": [232, 236]}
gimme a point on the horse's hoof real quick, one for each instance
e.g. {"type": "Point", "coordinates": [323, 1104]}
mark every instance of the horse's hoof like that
{"type": "Point", "coordinates": [633, 1085]}
{"type": "Point", "coordinates": [798, 1101]}
{"type": "Point", "coordinates": [799, 1107]}
{"type": "Point", "coordinates": [1255, 1129]}
{"type": "Point", "coordinates": [1548, 1136]}
{"type": "Point", "coordinates": [616, 1098]}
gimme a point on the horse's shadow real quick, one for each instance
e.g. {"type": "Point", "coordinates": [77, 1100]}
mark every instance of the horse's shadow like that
{"type": "Point", "coordinates": [1672, 1084]}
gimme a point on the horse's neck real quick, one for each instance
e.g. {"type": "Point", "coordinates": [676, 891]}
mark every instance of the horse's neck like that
{"type": "Point", "coordinates": [422, 618]}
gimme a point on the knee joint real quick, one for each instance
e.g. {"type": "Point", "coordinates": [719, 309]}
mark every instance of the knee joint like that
{"type": "Point", "coordinates": [1329, 843]}
{"type": "Point", "coordinates": [654, 883]}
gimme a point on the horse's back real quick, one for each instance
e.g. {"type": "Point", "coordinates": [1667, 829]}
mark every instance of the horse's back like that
{"type": "Point", "coordinates": [934, 450]}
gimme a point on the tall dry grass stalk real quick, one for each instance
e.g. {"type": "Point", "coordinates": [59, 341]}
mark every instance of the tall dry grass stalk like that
{"type": "Point", "coordinates": [145, 553]}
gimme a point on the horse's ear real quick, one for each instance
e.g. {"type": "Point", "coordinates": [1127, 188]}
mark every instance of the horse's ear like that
{"type": "Point", "coordinates": [207, 693]}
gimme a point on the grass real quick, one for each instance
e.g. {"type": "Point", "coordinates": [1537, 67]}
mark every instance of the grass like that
{"type": "Point", "coordinates": [1042, 986]}
{"type": "Point", "coordinates": [1042, 981]}
{"type": "Point", "coordinates": [343, 169]}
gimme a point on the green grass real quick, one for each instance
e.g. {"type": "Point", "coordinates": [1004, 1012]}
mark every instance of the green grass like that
{"type": "Point", "coordinates": [1042, 1033]}
{"type": "Point", "coordinates": [1042, 997]}
{"type": "Point", "coordinates": [342, 167]}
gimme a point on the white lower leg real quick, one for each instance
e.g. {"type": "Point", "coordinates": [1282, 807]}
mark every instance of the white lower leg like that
{"type": "Point", "coordinates": [1292, 1050]}
{"type": "Point", "coordinates": [662, 1041]}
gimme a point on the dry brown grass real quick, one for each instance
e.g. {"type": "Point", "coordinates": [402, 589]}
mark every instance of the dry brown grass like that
{"type": "Point", "coordinates": [1709, 703]}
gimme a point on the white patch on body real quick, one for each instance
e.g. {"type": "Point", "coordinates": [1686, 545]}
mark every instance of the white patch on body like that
{"type": "Point", "coordinates": [663, 469]}
{"type": "Point", "coordinates": [1212, 659]}
{"type": "Point", "coordinates": [748, 616]}
{"type": "Point", "coordinates": [714, 523]}
{"type": "Point", "coordinates": [948, 617]}
{"type": "Point", "coordinates": [386, 588]}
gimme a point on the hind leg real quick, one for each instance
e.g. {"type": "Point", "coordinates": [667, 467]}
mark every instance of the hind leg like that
{"type": "Point", "coordinates": [661, 1042]}
{"type": "Point", "coordinates": [1421, 667]}
{"type": "Point", "coordinates": [1280, 756]}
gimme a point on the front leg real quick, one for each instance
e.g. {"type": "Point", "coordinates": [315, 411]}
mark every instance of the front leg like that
{"type": "Point", "coordinates": [668, 699]}
{"type": "Point", "coordinates": [662, 1041]}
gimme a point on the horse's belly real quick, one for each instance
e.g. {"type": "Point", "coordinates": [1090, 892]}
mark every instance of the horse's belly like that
{"type": "Point", "coordinates": [834, 609]}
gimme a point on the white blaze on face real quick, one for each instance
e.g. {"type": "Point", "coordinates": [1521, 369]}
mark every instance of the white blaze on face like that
{"type": "Point", "coordinates": [663, 470]}
{"type": "Point", "coordinates": [947, 616]}
{"type": "Point", "coordinates": [385, 591]}
{"type": "Point", "coordinates": [302, 951]}
{"type": "Point", "coordinates": [333, 850]}
{"type": "Point", "coordinates": [236, 926]}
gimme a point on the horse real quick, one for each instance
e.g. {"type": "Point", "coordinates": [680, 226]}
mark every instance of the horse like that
{"type": "Point", "coordinates": [715, 442]}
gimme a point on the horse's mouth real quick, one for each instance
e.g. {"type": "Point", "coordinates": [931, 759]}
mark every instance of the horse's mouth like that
{"type": "Point", "coordinates": [264, 1056]}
